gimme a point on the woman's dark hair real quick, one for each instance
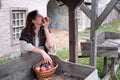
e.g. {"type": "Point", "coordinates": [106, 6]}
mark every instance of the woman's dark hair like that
{"type": "Point", "coordinates": [29, 24]}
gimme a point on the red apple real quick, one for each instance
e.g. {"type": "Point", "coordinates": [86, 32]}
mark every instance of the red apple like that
{"type": "Point", "coordinates": [49, 67]}
{"type": "Point", "coordinates": [46, 19]}
{"type": "Point", "coordinates": [43, 69]}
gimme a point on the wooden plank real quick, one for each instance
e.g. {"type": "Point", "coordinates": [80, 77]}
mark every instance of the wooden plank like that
{"type": "Point", "coordinates": [112, 35]}
{"type": "Point", "coordinates": [86, 10]}
{"type": "Point", "coordinates": [20, 68]}
{"type": "Point", "coordinates": [69, 67]}
{"type": "Point", "coordinates": [93, 33]}
{"type": "Point", "coordinates": [102, 51]}
{"type": "Point", "coordinates": [105, 13]}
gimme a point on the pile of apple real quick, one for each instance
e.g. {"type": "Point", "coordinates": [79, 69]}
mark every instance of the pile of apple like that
{"type": "Point", "coordinates": [44, 67]}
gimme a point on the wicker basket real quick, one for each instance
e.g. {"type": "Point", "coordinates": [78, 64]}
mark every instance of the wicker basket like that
{"type": "Point", "coordinates": [47, 74]}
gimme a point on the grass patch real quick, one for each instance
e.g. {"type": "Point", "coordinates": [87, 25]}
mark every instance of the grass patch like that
{"type": "Point", "coordinates": [7, 60]}
{"type": "Point", "coordinates": [85, 33]}
{"type": "Point", "coordinates": [100, 61]}
{"type": "Point", "coordinates": [118, 73]}
{"type": "Point", "coordinates": [113, 26]}
{"type": "Point", "coordinates": [84, 61]}
{"type": "Point", "coordinates": [63, 53]}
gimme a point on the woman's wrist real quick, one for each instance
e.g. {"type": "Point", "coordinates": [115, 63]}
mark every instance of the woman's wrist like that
{"type": "Point", "coordinates": [45, 27]}
{"type": "Point", "coordinates": [42, 52]}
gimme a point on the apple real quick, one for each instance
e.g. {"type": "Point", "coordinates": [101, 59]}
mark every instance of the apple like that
{"type": "Point", "coordinates": [49, 67]}
{"type": "Point", "coordinates": [46, 19]}
{"type": "Point", "coordinates": [37, 68]}
{"type": "Point", "coordinates": [43, 69]}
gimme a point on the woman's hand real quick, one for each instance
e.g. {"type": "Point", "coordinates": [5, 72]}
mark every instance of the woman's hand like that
{"type": "Point", "coordinates": [47, 21]}
{"type": "Point", "coordinates": [46, 57]}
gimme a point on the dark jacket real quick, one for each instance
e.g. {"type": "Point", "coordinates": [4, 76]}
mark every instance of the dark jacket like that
{"type": "Point", "coordinates": [31, 39]}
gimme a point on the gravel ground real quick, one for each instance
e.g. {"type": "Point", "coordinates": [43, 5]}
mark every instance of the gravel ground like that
{"type": "Point", "coordinates": [61, 38]}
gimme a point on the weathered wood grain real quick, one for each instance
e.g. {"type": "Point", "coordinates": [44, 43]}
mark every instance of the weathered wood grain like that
{"type": "Point", "coordinates": [21, 68]}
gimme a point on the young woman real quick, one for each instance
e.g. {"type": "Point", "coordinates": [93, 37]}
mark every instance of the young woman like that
{"type": "Point", "coordinates": [35, 36]}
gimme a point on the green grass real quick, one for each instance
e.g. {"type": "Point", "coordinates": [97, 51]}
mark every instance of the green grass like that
{"type": "Point", "coordinates": [7, 59]}
{"type": "Point", "coordinates": [111, 27]}
{"type": "Point", "coordinates": [100, 65]}
{"type": "Point", "coordinates": [118, 73]}
{"type": "Point", "coordinates": [63, 54]}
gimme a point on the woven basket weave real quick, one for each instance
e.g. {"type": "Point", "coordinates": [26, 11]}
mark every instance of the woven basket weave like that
{"type": "Point", "coordinates": [47, 74]}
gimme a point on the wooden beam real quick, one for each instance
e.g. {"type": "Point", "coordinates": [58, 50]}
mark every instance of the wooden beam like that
{"type": "Point", "coordinates": [118, 10]}
{"type": "Point", "coordinates": [86, 10]}
{"type": "Point", "coordinates": [72, 3]}
{"type": "Point", "coordinates": [87, 3]}
{"type": "Point", "coordinates": [105, 13]}
{"type": "Point", "coordinates": [73, 30]}
{"type": "Point", "coordinates": [93, 49]}
{"type": "Point", "coordinates": [73, 37]}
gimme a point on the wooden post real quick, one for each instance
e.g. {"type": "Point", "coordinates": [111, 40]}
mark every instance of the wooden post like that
{"type": "Point", "coordinates": [73, 30]}
{"type": "Point", "coordinates": [73, 36]}
{"type": "Point", "coordinates": [93, 52]}
{"type": "Point", "coordinates": [105, 69]}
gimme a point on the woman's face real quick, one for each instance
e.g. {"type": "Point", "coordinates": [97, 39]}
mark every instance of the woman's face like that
{"type": "Point", "coordinates": [38, 20]}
